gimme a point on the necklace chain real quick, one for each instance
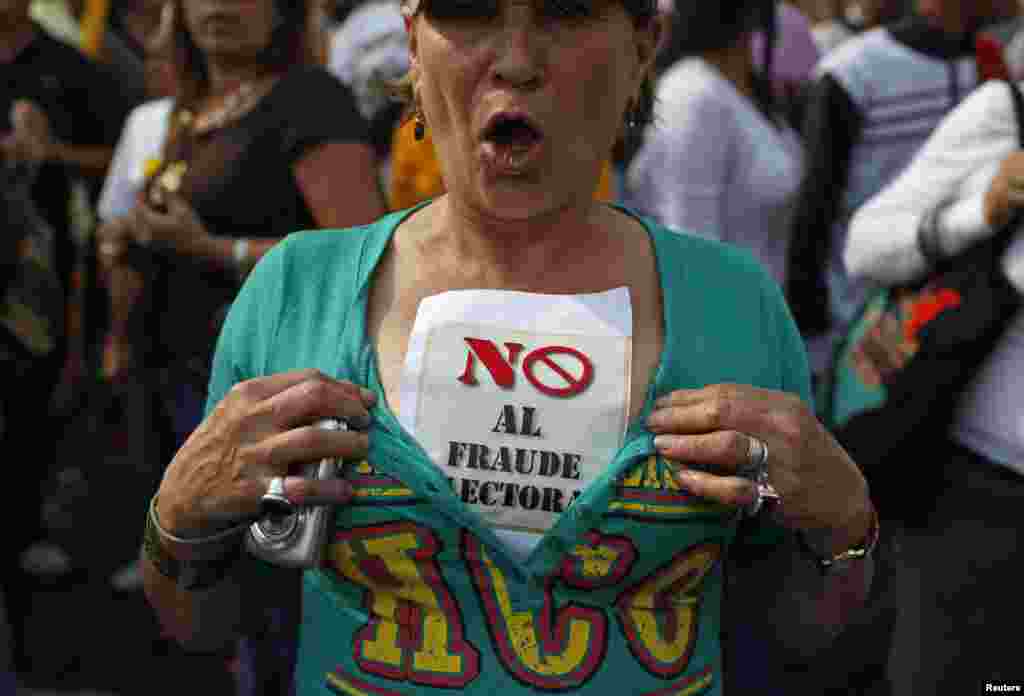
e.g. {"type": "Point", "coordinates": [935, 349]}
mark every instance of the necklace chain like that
{"type": "Point", "coordinates": [234, 103]}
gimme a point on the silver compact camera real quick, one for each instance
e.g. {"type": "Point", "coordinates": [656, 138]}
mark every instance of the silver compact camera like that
{"type": "Point", "coordinates": [297, 538]}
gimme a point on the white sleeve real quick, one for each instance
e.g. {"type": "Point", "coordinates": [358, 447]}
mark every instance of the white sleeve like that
{"type": "Point", "coordinates": [956, 164]}
{"type": "Point", "coordinates": [680, 174]}
{"type": "Point", "coordinates": [118, 194]}
{"type": "Point", "coordinates": [339, 56]}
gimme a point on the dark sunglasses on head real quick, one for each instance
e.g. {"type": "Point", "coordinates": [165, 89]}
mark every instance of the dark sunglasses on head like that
{"type": "Point", "coordinates": [480, 10]}
{"type": "Point", "coordinates": [467, 10]}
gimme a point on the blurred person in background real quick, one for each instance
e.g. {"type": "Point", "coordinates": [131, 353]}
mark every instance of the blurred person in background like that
{"type": "Point", "coordinates": [243, 78]}
{"type": "Point", "coordinates": [792, 62]}
{"type": "Point", "coordinates": [125, 34]}
{"type": "Point", "coordinates": [720, 160]}
{"type": "Point", "coordinates": [60, 115]}
{"type": "Point", "coordinates": [138, 151]}
{"type": "Point", "coordinates": [875, 101]}
{"type": "Point", "coordinates": [261, 142]}
{"type": "Point", "coordinates": [139, 145]}
{"type": "Point", "coordinates": [368, 51]}
{"type": "Point", "coordinates": [964, 563]}
{"type": "Point", "coordinates": [851, 18]}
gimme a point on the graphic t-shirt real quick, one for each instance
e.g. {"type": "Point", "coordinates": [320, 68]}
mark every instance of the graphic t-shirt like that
{"type": "Point", "coordinates": [542, 393]}
{"type": "Point", "coordinates": [418, 595]}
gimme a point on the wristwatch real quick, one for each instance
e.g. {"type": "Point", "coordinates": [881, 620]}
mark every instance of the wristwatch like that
{"type": "Point", "coordinates": [838, 564]}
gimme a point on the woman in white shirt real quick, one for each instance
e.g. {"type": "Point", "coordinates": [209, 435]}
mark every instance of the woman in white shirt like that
{"type": "Point", "coordinates": [718, 160]}
{"type": "Point", "coordinates": [964, 565]}
{"type": "Point", "coordinates": [141, 140]}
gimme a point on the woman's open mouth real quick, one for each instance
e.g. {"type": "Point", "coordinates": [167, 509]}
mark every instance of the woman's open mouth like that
{"type": "Point", "coordinates": [511, 143]}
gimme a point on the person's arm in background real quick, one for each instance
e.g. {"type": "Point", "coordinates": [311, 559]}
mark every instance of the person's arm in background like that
{"type": "Point", "coordinates": [833, 125]}
{"type": "Point", "coordinates": [680, 175]}
{"type": "Point", "coordinates": [31, 139]}
{"type": "Point", "coordinates": [338, 181]}
{"type": "Point", "coordinates": [958, 168]}
{"type": "Point", "coordinates": [333, 165]}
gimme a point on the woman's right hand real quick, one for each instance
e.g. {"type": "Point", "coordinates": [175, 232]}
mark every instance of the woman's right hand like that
{"type": "Point", "coordinates": [112, 237]}
{"type": "Point", "coordinates": [264, 427]}
{"type": "Point", "coordinates": [1006, 192]}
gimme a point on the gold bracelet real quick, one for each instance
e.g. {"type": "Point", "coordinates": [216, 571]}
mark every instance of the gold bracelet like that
{"type": "Point", "coordinates": [842, 561]}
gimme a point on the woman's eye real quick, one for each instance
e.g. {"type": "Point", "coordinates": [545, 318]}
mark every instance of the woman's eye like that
{"type": "Point", "coordinates": [462, 10]}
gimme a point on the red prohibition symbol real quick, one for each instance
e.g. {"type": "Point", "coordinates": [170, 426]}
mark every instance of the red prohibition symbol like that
{"type": "Point", "coordinates": [573, 384]}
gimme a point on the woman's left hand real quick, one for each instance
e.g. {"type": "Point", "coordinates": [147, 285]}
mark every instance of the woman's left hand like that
{"type": "Point", "coordinates": [820, 488]}
{"type": "Point", "coordinates": [178, 228]}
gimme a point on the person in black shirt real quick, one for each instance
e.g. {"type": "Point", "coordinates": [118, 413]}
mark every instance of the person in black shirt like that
{"type": "Point", "coordinates": [262, 142]}
{"type": "Point", "coordinates": [60, 114]}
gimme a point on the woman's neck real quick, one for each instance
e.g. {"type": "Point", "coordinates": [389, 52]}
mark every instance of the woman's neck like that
{"type": "Point", "coordinates": [538, 253]}
{"type": "Point", "coordinates": [227, 76]}
{"type": "Point", "coordinates": [735, 64]}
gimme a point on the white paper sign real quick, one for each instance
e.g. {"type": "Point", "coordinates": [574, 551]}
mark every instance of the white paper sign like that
{"type": "Point", "coordinates": [521, 399]}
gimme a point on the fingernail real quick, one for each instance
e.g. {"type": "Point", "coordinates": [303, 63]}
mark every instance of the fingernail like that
{"type": "Point", "coordinates": [340, 489]}
{"type": "Point", "coordinates": [657, 420]}
{"type": "Point", "coordinates": [685, 475]}
{"type": "Point", "coordinates": [663, 442]}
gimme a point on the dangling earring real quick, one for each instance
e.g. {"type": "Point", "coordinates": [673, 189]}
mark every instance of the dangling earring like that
{"type": "Point", "coordinates": [631, 118]}
{"type": "Point", "coordinates": [420, 129]}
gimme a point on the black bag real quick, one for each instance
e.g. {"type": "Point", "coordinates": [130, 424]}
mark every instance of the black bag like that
{"type": "Point", "coordinates": [888, 413]}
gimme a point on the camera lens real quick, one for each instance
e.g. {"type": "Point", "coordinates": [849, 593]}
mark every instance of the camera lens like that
{"type": "Point", "coordinates": [276, 528]}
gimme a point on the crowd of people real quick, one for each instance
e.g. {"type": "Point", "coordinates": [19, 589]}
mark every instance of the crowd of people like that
{"type": "Point", "coordinates": [222, 219]}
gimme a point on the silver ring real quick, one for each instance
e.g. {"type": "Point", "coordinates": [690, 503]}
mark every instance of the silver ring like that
{"type": "Point", "coordinates": [767, 490]}
{"type": "Point", "coordinates": [274, 500]}
{"type": "Point", "coordinates": [757, 459]}
{"type": "Point", "coordinates": [757, 471]}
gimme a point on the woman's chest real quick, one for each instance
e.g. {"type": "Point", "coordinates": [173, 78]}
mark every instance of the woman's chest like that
{"type": "Point", "coordinates": [392, 318]}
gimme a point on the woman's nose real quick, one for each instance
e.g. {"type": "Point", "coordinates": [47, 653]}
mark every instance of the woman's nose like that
{"type": "Point", "coordinates": [521, 51]}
